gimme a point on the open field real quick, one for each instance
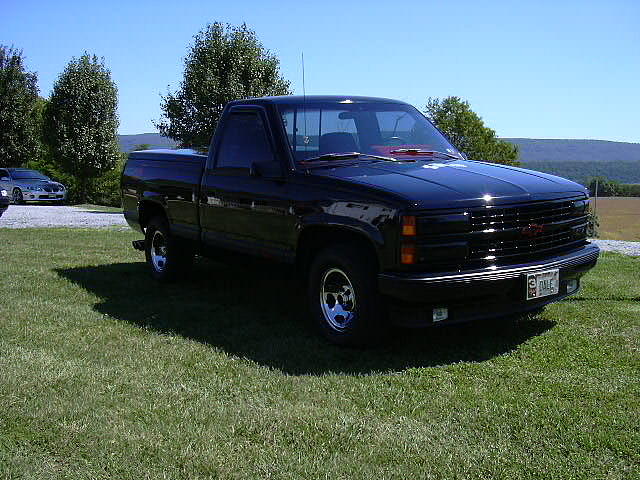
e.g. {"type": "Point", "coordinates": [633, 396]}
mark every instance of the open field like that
{"type": "Point", "coordinates": [619, 217]}
{"type": "Point", "coordinates": [106, 374]}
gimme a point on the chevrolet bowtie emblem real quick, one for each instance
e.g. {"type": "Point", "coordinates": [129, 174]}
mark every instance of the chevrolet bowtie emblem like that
{"type": "Point", "coordinates": [532, 230]}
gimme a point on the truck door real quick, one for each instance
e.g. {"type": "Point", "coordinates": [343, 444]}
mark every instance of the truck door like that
{"type": "Point", "coordinates": [241, 209]}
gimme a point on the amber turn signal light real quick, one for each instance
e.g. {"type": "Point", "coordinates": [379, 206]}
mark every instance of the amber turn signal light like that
{"type": "Point", "coordinates": [408, 254]}
{"type": "Point", "coordinates": [409, 226]}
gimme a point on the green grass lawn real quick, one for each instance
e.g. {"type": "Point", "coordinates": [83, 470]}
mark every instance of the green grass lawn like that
{"type": "Point", "coordinates": [105, 374]}
{"type": "Point", "coordinates": [98, 208]}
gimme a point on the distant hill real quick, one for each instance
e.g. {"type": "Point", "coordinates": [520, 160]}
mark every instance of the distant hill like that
{"type": "Point", "coordinates": [129, 142]}
{"type": "Point", "coordinates": [581, 172]}
{"type": "Point", "coordinates": [543, 150]}
{"type": "Point", "coordinates": [574, 159]}
{"type": "Point", "coordinates": [580, 160]}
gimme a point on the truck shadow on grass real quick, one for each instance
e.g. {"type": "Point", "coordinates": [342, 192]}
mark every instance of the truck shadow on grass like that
{"type": "Point", "coordinates": [258, 312]}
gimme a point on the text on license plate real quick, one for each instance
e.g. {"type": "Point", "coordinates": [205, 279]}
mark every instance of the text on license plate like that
{"type": "Point", "coordinates": [543, 284]}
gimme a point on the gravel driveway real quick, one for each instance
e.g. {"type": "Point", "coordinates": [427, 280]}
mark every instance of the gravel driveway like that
{"type": "Point", "coordinates": [37, 216]}
{"type": "Point", "coordinates": [620, 246]}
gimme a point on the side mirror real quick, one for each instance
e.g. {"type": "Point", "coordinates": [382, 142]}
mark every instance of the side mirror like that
{"type": "Point", "coordinates": [268, 169]}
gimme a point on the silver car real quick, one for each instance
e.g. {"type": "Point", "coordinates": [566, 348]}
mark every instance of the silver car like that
{"type": "Point", "coordinates": [25, 185]}
{"type": "Point", "coordinates": [4, 201]}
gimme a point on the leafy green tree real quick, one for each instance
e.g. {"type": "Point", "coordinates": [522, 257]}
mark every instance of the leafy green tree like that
{"type": "Point", "coordinates": [606, 187]}
{"type": "Point", "coordinates": [141, 146]}
{"type": "Point", "coordinates": [81, 122]}
{"type": "Point", "coordinates": [19, 139]}
{"type": "Point", "coordinates": [224, 63]}
{"type": "Point", "coordinates": [467, 131]}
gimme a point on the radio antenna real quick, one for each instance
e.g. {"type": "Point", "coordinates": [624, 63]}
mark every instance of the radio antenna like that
{"type": "Point", "coordinates": [304, 106]}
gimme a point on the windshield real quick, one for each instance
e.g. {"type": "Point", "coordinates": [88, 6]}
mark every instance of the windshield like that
{"type": "Point", "coordinates": [28, 175]}
{"type": "Point", "coordinates": [389, 129]}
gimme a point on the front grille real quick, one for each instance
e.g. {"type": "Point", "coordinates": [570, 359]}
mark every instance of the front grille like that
{"type": "Point", "coordinates": [501, 235]}
{"type": "Point", "coordinates": [527, 230]}
{"type": "Point", "coordinates": [502, 218]}
{"type": "Point", "coordinates": [501, 249]}
{"type": "Point", "coordinates": [51, 188]}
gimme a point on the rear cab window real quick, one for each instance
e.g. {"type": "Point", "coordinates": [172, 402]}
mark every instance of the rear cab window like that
{"type": "Point", "coordinates": [244, 141]}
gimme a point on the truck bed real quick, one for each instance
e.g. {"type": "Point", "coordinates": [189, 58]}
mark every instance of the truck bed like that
{"type": "Point", "coordinates": [171, 178]}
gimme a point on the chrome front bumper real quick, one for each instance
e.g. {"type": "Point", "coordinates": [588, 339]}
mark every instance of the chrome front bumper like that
{"type": "Point", "coordinates": [485, 293]}
{"type": "Point", "coordinates": [37, 196]}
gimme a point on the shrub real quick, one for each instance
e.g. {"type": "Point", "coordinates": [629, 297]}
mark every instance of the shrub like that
{"type": "Point", "coordinates": [593, 225]}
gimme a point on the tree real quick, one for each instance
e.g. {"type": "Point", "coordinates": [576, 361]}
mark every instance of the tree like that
{"type": "Point", "coordinates": [224, 63]}
{"type": "Point", "coordinates": [19, 138]}
{"type": "Point", "coordinates": [81, 122]}
{"type": "Point", "coordinates": [467, 131]}
{"type": "Point", "coordinates": [605, 187]}
{"type": "Point", "coordinates": [141, 146]}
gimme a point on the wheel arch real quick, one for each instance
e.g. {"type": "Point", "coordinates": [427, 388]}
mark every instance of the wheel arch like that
{"type": "Point", "coordinates": [314, 238]}
{"type": "Point", "coordinates": [147, 209]}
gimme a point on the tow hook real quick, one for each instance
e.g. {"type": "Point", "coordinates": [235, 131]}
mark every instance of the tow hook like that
{"type": "Point", "coordinates": [138, 245]}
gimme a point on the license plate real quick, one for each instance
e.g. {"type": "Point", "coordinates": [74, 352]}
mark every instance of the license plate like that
{"type": "Point", "coordinates": [543, 284]}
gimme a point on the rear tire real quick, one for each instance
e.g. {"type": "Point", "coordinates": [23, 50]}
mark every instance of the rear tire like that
{"type": "Point", "coordinates": [345, 304]}
{"type": "Point", "coordinates": [167, 257]}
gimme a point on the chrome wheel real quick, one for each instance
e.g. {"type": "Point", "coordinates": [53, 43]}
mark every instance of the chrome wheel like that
{"type": "Point", "coordinates": [158, 251]}
{"type": "Point", "coordinates": [337, 299]}
{"type": "Point", "coordinates": [17, 196]}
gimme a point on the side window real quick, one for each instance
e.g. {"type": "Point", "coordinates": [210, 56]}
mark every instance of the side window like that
{"type": "Point", "coordinates": [4, 173]}
{"type": "Point", "coordinates": [244, 141]}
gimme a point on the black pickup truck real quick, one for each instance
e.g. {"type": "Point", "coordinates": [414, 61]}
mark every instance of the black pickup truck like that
{"type": "Point", "coordinates": [385, 220]}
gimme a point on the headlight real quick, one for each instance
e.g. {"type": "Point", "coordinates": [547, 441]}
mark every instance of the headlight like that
{"type": "Point", "coordinates": [34, 188]}
{"type": "Point", "coordinates": [3, 193]}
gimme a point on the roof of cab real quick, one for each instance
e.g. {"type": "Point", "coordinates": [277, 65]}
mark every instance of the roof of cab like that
{"type": "Point", "coordinates": [317, 99]}
{"type": "Point", "coordinates": [178, 151]}
{"type": "Point", "coordinates": [184, 154]}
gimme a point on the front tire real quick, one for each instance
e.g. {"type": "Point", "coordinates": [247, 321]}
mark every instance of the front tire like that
{"type": "Point", "coordinates": [167, 257]}
{"type": "Point", "coordinates": [17, 197]}
{"type": "Point", "coordinates": [345, 304]}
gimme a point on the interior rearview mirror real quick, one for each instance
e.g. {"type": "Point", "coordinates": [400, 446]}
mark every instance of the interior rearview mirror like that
{"type": "Point", "coordinates": [346, 115]}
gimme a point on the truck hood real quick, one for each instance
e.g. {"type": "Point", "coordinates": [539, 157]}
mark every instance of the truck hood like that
{"type": "Point", "coordinates": [453, 183]}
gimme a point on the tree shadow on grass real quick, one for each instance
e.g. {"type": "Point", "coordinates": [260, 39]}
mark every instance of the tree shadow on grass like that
{"type": "Point", "coordinates": [257, 311]}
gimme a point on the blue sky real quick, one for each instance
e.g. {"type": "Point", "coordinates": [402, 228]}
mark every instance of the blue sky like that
{"type": "Point", "coordinates": [536, 69]}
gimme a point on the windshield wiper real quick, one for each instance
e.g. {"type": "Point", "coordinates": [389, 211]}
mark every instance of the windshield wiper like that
{"type": "Point", "coordinates": [417, 151]}
{"type": "Point", "coordinates": [346, 155]}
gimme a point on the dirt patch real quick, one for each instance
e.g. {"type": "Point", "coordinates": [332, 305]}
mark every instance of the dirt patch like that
{"type": "Point", "coordinates": [619, 217]}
